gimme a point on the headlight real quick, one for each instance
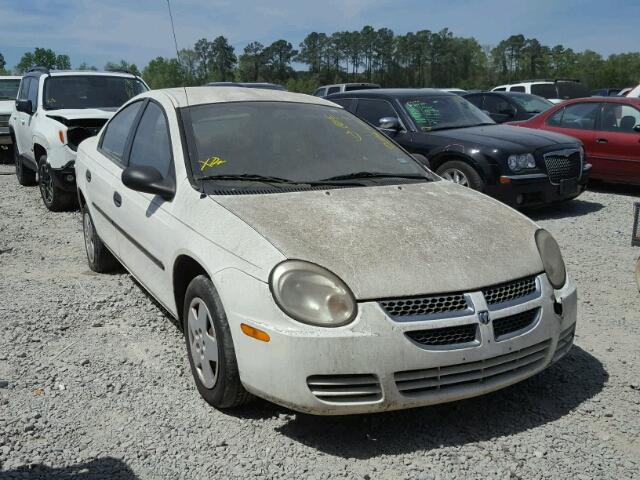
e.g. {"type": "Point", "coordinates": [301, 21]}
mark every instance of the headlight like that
{"type": "Point", "coordinates": [312, 294]}
{"type": "Point", "coordinates": [521, 162]}
{"type": "Point", "coordinates": [551, 259]}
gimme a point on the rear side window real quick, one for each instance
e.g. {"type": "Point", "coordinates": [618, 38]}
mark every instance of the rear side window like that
{"type": "Point", "coordinates": [501, 89]}
{"type": "Point", "coordinates": [319, 92]}
{"type": "Point", "coordinates": [333, 90]}
{"type": "Point", "coordinates": [475, 99]}
{"type": "Point", "coordinates": [580, 116]}
{"type": "Point", "coordinates": [151, 146]}
{"type": "Point", "coordinates": [373, 110]}
{"type": "Point", "coordinates": [118, 129]}
{"type": "Point", "coordinates": [546, 90]}
{"type": "Point", "coordinates": [344, 102]}
{"type": "Point", "coordinates": [619, 118]}
{"type": "Point", "coordinates": [24, 88]}
{"type": "Point", "coordinates": [517, 89]}
{"type": "Point", "coordinates": [496, 104]}
{"type": "Point", "coordinates": [569, 90]}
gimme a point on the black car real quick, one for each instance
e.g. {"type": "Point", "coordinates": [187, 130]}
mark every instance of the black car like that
{"type": "Point", "coordinates": [509, 106]}
{"type": "Point", "coordinates": [519, 166]}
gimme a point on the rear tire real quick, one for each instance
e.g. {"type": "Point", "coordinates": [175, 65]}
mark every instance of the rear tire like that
{"type": "Point", "coordinates": [26, 177]}
{"type": "Point", "coordinates": [54, 198]}
{"type": "Point", "coordinates": [6, 154]}
{"type": "Point", "coordinates": [99, 258]}
{"type": "Point", "coordinates": [462, 173]}
{"type": "Point", "coordinates": [210, 347]}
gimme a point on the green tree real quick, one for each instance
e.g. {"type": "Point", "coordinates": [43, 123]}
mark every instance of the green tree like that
{"type": "Point", "coordinates": [43, 57]}
{"type": "Point", "coordinates": [163, 73]}
{"type": "Point", "coordinates": [3, 64]}
{"type": "Point", "coordinates": [278, 57]}
{"type": "Point", "coordinates": [86, 66]}
{"type": "Point", "coordinates": [251, 62]}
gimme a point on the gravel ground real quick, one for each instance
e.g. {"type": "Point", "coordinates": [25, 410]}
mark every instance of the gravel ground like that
{"type": "Point", "coordinates": [94, 380]}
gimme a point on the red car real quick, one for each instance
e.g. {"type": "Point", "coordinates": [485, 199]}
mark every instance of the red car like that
{"type": "Point", "coordinates": [609, 128]}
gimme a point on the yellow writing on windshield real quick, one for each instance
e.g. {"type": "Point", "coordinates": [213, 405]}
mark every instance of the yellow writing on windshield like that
{"type": "Point", "coordinates": [340, 124]}
{"type": "Point", "coordinates": [382, 139]}
{"type": "Point", "coordinates": [211, 162]}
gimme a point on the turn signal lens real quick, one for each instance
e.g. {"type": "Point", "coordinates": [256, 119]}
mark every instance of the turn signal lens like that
{"type": "Point", "coordinates": [254, 333]}
{"type": "Point", "coordinates": [61, 136]}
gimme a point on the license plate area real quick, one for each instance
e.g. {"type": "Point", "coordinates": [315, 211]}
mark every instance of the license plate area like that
{"type": "Point", "coordinates": [568, 186]}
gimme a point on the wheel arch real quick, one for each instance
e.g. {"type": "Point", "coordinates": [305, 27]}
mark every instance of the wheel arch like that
{"type": "Point", "coordinates": [38, 151]}
{"type": "Point", "coordinates": [185, 269]}
{"type": "Point", "coordinates": [482, 168]}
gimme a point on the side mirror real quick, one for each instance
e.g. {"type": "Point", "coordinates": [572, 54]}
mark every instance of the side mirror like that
{"type": "Point", "coordinates": [148, 180]}
{"type": "Point", "coordinates": [422, 159]}
{"type": "Point", "coordinates": [24, 106]}
{"type": "Point", "coordinates": [389, 123]}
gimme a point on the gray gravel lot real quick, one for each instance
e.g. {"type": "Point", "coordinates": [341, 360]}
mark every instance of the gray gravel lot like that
{"type": "Point", "coordinates": [94, 380]}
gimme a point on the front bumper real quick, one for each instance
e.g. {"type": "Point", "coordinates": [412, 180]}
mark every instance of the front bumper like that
{"type": "Point", "coordinates": [536, 189]}
{"type": "Point", "coordinates": [372, 366]}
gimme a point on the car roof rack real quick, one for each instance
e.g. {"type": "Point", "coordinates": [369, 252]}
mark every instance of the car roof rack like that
{"type": "Point", "coordinates": [39, 69]}
{"type": "Point", "coordinates": [549, 80]}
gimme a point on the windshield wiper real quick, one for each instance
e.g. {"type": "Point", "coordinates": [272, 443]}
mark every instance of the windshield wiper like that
{"type": "Point", "coordinates": [357, 175]}
{"type": "Point", "coordinates": [248, 177]}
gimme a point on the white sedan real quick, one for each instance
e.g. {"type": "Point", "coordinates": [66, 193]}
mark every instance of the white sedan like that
{"type": "Point", "coordinates": [313, 262]}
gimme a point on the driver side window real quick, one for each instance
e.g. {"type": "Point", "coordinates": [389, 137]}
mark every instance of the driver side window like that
{"type": "Point", "coordinates": [151, 146]}
{"type": "Point", "coordinates": [114, 139]}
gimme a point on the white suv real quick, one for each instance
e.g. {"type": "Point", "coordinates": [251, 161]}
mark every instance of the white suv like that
{"type": "Point", "coordinates": [555, 91]}
{"type": "Point", "coordinates": [53, 113]}
{"type": "Point", "coordinates": [8, 92]}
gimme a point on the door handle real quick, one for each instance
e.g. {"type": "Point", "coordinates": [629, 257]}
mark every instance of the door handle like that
{"type": "Point", "coordinates": [602, 140]}
{"type": "Point", "coordinates": [117, 199]}
{"type": "Point", "coordinates": [87, 174]}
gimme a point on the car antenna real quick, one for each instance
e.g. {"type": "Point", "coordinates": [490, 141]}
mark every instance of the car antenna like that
{"type": "Point", "coordinates": [186, 95]}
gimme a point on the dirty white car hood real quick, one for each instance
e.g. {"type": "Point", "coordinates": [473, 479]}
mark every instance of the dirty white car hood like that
{"type": "Point", "coordinates": [81, 113]}
{"type": "Point", "coordinates": [386, 242]}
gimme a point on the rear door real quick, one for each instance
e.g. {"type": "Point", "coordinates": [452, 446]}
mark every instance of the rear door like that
{"type": "Point", "coordinates": [617, 144]}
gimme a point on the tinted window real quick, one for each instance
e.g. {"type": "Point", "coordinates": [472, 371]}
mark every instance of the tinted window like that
{"type": "Point", "coordinates": [33, 93]}
{"type": "Point", "coordinates": [445, 111]}
{"type": "Point", "coordinates": [115, 136]}
{"type": "Point", "coordinates": [9, 89]}
{"type": "Point", "coordinates": [151, 146]}
{"type": "Point", "coordinates": [531, 103]}
{"type": "Point", "coordinates": [517, 89]}
{"type": "Point", "coordinates": [581, 116]}
{"type": "Point", "coordinates": [90, 91]}
{"type": "Point", "coordinates": [373, 110]}
{"type": "Point", "coordinates": [333, 90]}
{"type": "Point", "coordinates": [24, 88]}
{"type": "Point", "coordinates": [344, 102]}
{"type": "Point", "coordinates": [319, 92]}
{"type": "Point", "coordinates": [501, 89]}
{"type": "Point", "coordinates": [556, 119]}
{"type": "Point", "coordinates": [619, 118]}
{"type": "Point", "coordinates": [496, 104]}
{"type": "Point", "coordinates": [351, 88]}
{"type": "Point", "coordinates": [546, 90]}
{"type": "Point", "coordinates": [568, 90]}
{"type": "Point", "coordinates": [475, 99]}
{"type": "Point", "coordinates": [256, 138]}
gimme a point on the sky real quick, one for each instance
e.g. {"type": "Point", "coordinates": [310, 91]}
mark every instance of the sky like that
{"type": "Point", "coordinates": [98, 31]}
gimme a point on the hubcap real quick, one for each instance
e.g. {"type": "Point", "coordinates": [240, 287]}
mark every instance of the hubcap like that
{"type": "Point", "coordinates": [46, 183]}
{"type": "Point", "coordinates": [203, 345]}
{"type": "Point", "coordinates": [88, 236]}
{"type": "Point", "coordinates": [456, 176]}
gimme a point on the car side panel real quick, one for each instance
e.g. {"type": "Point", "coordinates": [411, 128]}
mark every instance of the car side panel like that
{"type": "Point", "coordinates": [618, 159]}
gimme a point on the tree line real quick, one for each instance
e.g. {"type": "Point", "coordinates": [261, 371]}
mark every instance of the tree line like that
{"type": "Point", "coordinates": [420, 59]}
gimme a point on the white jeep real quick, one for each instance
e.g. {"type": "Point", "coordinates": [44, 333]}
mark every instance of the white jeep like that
{"type": "Point", "coordinates": [8, 92]}
{"type": "Point", "coordinates": [53, 113]}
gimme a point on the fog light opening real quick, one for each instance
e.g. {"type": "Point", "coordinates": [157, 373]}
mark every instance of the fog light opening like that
{"type": "Point", "coordinates": [557, 307]}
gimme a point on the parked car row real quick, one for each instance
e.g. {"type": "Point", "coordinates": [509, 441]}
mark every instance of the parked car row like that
{"type": "Point", "coordinates": [257, 218]}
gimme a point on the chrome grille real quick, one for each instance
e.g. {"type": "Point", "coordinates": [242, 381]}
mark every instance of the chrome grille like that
{"type": "Point", "coordinates": [508, 291]}
{"type": "Point", "coordinates": [454, 302]}
{"type": "Point", "coordinates": [565, 341]}
{"type": "Point", "coordinates": [445, 336]}
{"type": "Point", "coordinates": [345, 388]}
{"type": "Point", "coordinates": [563, 165]}
{"type": "Point", "coordinates": [513, 323]}
{"type": "Point", "coordinates": [4, 120]}
{"type": "Point", "coordinates": [500, 368]}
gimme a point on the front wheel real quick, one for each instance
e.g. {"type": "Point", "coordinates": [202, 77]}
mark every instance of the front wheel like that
{"type": "Point", "coordinates": [54, 198]}
{"type": "Point", "coordinates": [462, 173]}
{"type": "Point", "coordinates": [210, 347]}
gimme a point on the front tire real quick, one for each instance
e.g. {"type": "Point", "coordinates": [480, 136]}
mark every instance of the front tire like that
{"type": "Point", "coordinates": [462, 173]}
{"type": "Point", "coordinates": [99, 257]}
{"type": "Point", "coordinates": [210, 347]}
{"type": "Point", "coordinates": [26, 177]}
{"type": "Point", "coordinates": [54, 198]}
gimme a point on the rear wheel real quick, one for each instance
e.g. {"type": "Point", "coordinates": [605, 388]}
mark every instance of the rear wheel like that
{"type": "Point", "coordinates": [99, 257]}
{"type": "Point", "coordinates": [210, 346]}
{"type": "Point", "coordinates": [462, 173]}
{"type": "Point", "coordinates": [54, 198]}
{"type": "Point", "coordinates": [24, 174]}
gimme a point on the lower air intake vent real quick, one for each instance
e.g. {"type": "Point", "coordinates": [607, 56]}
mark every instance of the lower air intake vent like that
{"type": "Point", "coordinates": [565, 342]}
{"type": "Point", "coordinates": [496, 370]}
{"type": "Point", "coordinates": [345, 388]}
{"type": "Point", "coordinates": [445, 336]}
{"type": "Point", "coordinates": [513, 323]}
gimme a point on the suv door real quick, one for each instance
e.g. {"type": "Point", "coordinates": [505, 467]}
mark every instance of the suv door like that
{"type": "Point", "coordinates": [616, 150]}
{"type": "Point", "coordinates": [21, 124]}
{"type": "Point", "coordinates": [145, 218]}
{"type": "Point", "coordinates": [103, 171]}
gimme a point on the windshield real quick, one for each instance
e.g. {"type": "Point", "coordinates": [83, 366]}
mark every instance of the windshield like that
{"type": "Point", "coordinates": [445, 111]}
{"type": "Point", "coordinates": [9, 89]}
{"type": "Point", "coordinates": [531, 103]}
{"type": "Point", "coordinates": [291, 141]}
{"type": "Point", "coordinates": [89, 91]}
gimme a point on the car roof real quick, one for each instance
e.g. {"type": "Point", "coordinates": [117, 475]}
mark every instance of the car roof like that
{"type": "Point", "coordinates": [71, 73]}
{"type": "Point", "coordinates": [393, 92]}
{"type": "Point", "coordinates": [189, 96]}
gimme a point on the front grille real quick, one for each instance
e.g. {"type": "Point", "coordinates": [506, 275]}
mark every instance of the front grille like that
{"type": "Point", "coordinates": [513, 323]}
{"type": "Point", "coordinates": [508, 291]}
{"type": "Point", "coordinates": [565, 342]}
{"type": "Point", "coordinates": [345, 388]}
{"type": "Point", "coordinates": [454, 302]}
{"type": "Point", "coordinates": [562, 166]}
{"type": "Point", "coordinates": [4, 120]}
{"type": "Point", "coordinates": [445, 336]}
{"type": "Point", "coordinates": [495, 370]}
